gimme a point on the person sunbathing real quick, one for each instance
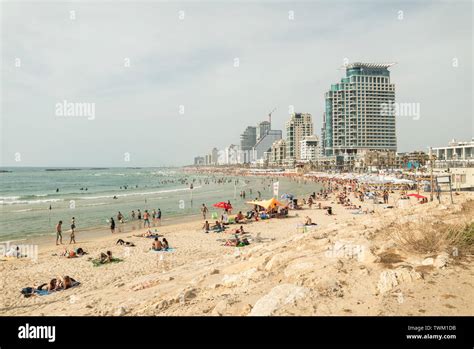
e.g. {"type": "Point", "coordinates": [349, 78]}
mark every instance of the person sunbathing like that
{"type": "Point", "coordinates": [65, 282]}
{"type": "Point", "coordinates": [157, 245]}
{"type": "Point", "coordinates": [126, 243]}
{"type": "Point", "coordinates": [50, 286]}
{"type": "Point", "coordinates": [239, 230]}
{"type": "Point", "coordinates": [105, 257]}
{"type": "Point", "coordinates": [165, 243]}
{"type": "Point", "coordinates": [55, 284]}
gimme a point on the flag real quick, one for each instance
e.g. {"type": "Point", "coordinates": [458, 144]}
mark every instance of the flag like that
{"type": "Point", "coordinates": [276, 187]}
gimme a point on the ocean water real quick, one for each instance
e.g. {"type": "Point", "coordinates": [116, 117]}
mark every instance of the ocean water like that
{"type": "Point", "coordinates": [33, 200]}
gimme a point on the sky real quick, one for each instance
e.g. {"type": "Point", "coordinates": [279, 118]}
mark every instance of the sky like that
{"type": "Point", "coordinates": [168, 81]}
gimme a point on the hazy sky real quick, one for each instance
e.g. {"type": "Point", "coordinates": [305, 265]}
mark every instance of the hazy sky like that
{"type": "Point", "coordinates": [190, 62]}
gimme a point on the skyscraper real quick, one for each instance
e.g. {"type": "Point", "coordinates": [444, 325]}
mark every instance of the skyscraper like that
{"type": "Point", "coordinates": [298, 127]}
{"type": "Point", "coordinates": [262, 129]}
{"type": "Point", "coordinates": [248, 138]}
{"type": "Point", "coordinates": [359, 111]}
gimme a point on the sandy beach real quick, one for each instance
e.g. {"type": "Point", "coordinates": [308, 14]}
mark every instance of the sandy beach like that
{"type": "Point", "coordinates": [349, 264]}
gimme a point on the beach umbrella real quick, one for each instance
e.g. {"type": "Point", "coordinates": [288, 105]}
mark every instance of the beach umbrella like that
{"type": "Point", "coordinates": [418, 196]}
{"type": "Point", "coordinates": [223, 205]}
{"type": "Point", "coordinates": [267, 204]}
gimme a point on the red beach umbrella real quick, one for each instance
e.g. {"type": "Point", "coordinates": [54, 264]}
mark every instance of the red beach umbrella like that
{"type": "Point", "coordinates": [223, 205]}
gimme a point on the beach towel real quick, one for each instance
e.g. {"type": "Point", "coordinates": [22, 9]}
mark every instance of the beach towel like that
{"type": "Point", "coordinates": [29, 291]}
{"type": "Point", "coordinates": [97, 263]}
{"type": "Point", "coordinates": [170, 249]}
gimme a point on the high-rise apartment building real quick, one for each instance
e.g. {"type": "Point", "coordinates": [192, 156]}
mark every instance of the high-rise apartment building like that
{"type": "Point", "coordinates": [298, 127]}
{"type": "Point", "coordinates": [360, 111]}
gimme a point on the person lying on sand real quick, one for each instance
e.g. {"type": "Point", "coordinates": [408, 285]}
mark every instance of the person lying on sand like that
{"type": "Point", "coordinates": [240, 230]}
{"type": "Point", "coordinates": [126, 243]}
{"type": "Point", "coordinates": [105, 257]}
{"type": "Point", "coordinates": [146, 234]}
{"type": "Point", "coordinates": [56, 284]}
{"type": "Point", "coordinates": [237, 242]}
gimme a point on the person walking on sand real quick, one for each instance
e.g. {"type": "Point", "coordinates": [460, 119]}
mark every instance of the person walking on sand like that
{"type": "Point", "coordinates": [73, 230]}
{"type": "Point", "coordinates": [204, 211]}
{"type": "Point", "coordinates": [112, 225]}
{"type": "Point", "coordinates": [59, 235]}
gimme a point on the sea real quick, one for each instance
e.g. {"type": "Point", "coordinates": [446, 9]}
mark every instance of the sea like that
{"type": "Point", "coordinates": [33, 200]}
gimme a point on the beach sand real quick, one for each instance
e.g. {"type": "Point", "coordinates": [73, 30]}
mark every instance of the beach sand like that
{"type": "Point", "coordinates": [338, 268]}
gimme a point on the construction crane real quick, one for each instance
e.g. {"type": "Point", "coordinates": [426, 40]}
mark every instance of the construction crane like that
{"type": "Point", "coordinates": [270, 115]}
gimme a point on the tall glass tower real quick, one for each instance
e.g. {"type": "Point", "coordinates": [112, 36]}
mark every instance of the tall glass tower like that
{"type": "Point", "coordinates": [360, 111]}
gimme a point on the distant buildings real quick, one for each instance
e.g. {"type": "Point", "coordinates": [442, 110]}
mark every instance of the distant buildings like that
{"type": "Point", "coordinates": [278, 153]}
{"type": "Point", "coordinates": [455, 160]}
{"type": "Point", "coordinates": [298, 127]}
{"type": "Point", "coordinates": [360, 113]}
{"type": "Point", "coordinates": [248, 138]}
{"type": "Point", "coordinates": [262, 129]}
{"type": "Point", "coordinates": [265, 143]}
{"type": "Point", "coordinates": [309, 148]}
{"type": "Point", "coordinates": [247, 141]}
{"type": "Point", "coordinates": [455, 154]}
{"type": "Point", "coordinates": [199, 161]}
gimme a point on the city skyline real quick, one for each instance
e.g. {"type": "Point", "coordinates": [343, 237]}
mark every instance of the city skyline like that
{"type": "Point", "coordinates": [221, 80]}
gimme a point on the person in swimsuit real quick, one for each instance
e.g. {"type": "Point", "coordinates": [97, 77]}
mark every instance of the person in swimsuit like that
{"type": "Point", "coordinates": [112, 225]}
{"type": "Point", "coordinates": [146, 219]}
{"type": "Point", "coordinates": [59, 236]}
{"type": "Point", "coordinates": [158, 216]}
{"type": "Point", "coordinates": [165, 243]}
{"type": "Point", "coordinates": [73, 229]}
{"type": "Point", "coordinates": [157, 245]}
